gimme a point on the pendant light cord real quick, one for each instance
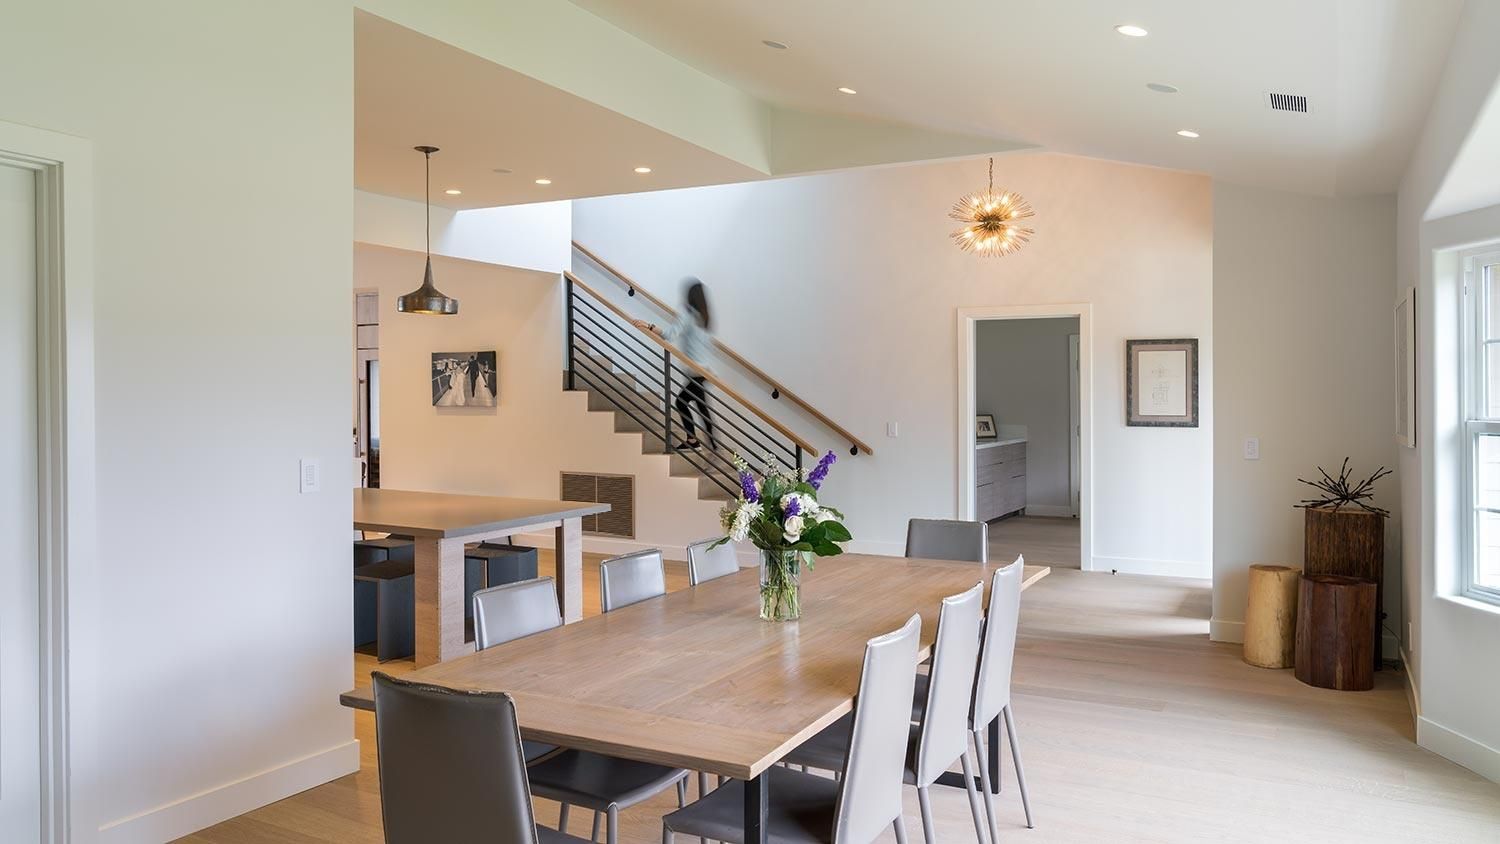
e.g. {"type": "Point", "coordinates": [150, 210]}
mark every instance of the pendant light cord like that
{"type": "Point", "coordinates": [427, 197]}
{"type": "Point", "coordinates": [992, 175]}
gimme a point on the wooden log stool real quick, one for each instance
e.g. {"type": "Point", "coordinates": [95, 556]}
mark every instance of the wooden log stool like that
{"type": "Point", "coordinates": [1351, 542]}
{"type": "Point", "coordinates": [1336, 632]}
{"type": "Point", "coordinates": [1271, 616]}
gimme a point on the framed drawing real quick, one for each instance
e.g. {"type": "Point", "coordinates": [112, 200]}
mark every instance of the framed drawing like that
{"type": "Point", "coordinates": [1406, 368]}
{"type": "Point", "coordinates": [984, 427]}
{"type": "Point", "coordinates": [1161, 383]}
{"type": "Point", "coordinates": [464, 379]}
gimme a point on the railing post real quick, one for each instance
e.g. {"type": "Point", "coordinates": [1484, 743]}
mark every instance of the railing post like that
{"type": "Point", "coordinates": [568, 317]}
{"type": "Point", "coordinates": [798, 449]}
{"type": "Point", "coordinates": [666, 399]}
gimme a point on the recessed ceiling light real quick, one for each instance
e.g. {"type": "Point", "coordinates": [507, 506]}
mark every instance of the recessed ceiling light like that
{"type": "Point", "coordinates": [775, 45]}
{"type": "Point", "coordinates": [1187, 133]}
{"type": "Point", "coordinates": [453, 191]}
{"type": "Point", "coordinates": [643, 169]}
{"type": "Point", "coordinates": [544, 181]}
{"type": "Point", "coordinates": [1132, 30]}
{"type": "Point", "coordinates": [503, 171]}
{"type": "Point", "coordinates": [843, 90]}
{"type": "Point", "coordinates": [1162, 87]}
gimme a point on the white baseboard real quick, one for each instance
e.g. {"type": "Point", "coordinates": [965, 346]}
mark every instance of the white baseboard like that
{"type": "Point", "coordinates": [1162, 568]}
{"type": "Point", "coordinates": [1054, 511]}
{"type": "Point", "coordinates": [1220, 630]}
{"type": "Point", "coordinates": [1457, 747]}
{"type": "Point", "coordinates": [206, 808]}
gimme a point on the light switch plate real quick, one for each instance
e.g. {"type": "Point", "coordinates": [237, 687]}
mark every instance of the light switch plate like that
{"type": "Point", "coordinates": [892, 429]}
{"type": "Point", "coordinates": [309, 475]}
{"type": "Point", "coordinates": [1252, 448]}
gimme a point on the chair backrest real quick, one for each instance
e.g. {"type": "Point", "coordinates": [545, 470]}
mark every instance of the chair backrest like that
{"type": "Point", "coordinates": [630, 579]}
{"type": "Point", "coordinates": [998, 652]}
{"type": "Point", "coordinates": [513, 610]}
{"type": "Point", "coordinates": [947, 539]}
{"type": "Point", "coordinates": [706, 562]}
{"type": "Point", "coordinates": [451, 765]}
{"type": "Point", "coordinates": [955, 656]}
{"type": "Point", "coordinates": [870, 795]}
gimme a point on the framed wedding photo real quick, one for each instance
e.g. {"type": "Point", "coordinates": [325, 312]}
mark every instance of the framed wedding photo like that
{"type": "Point", "coordinates": [1161, 383]}
{"type": "Point", "coordinates": [985, 428]}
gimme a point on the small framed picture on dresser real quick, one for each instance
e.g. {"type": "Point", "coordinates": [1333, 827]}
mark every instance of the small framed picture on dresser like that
{"type": "Point", "coordinates": [984, 427]}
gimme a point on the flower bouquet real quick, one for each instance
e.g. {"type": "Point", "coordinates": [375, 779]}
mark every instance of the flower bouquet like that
{"type": "Point", "coordinates": [778, 511]}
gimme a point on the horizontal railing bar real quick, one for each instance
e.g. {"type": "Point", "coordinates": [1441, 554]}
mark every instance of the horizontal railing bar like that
{"type": "Point", "coordinates": [619, 400]}
{"type": "Point", "coordinates": [628, 329]}
{"type": "Point", "coordinates": [605, 341]}
{"type": "Point", "coordinates": [755, 436]}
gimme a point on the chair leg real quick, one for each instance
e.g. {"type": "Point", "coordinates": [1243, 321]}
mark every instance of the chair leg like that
{"type": "Point", "coordinates": [984, 783]}
{"type": "Point", "coordinates": [562, 818]}
{"type": "Point", "coordinates": [666, 835]}
{"type": "Point", "coordinates": [899, 824]}
{"type": "Point", "coordinates": [594, 836]}
{"type": "Point", "coordinates": [682, 792]}
{"type": "Point", "coordinates": [978, 814]}
{"type": "Point", "coordinates": [612, 827]}
{"type": "Point", "coordinates": [924, 801]}
{"type": "Point", "coordinates": [702, 785]}
{"type": "Point", "coordinates": [1015, 755]}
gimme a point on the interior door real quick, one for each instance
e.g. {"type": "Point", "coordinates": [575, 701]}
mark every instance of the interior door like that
{"type": "Point", "coordinates": [1075, 424]}
{"type": "Point", "coordinates": [20, 569]}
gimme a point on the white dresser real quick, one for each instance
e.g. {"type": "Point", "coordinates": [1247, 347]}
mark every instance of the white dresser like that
{"type": "Point", "coordinates": [999, 478]}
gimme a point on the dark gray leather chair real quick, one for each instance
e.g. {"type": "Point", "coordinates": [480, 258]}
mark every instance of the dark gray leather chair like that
{"type": "Point", "coordinates": [630, 579]}
{"type": "Point", "coordinates": [810, 808]}
{"type": "Point", "coordinates": [605, 784]}
{"type": "Point", "coordinates": [948, 539]}
{"type": "Point", "coordinates": [451, 767]}
{"type": "Point", "coordinates": [706, 562]}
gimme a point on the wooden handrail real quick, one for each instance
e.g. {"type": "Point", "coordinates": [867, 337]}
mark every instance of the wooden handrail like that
{"type": "Point", "coordinates": [777, 388]}
{"type": "Point", "coordinates": [707, 376]}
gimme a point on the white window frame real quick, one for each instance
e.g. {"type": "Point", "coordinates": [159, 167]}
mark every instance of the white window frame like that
{"type": "Point", "coordinates": [1476, 422]}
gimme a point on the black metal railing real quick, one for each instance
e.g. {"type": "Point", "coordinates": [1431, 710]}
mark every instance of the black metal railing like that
{"type": "Point", "coordinates": [641, 378]}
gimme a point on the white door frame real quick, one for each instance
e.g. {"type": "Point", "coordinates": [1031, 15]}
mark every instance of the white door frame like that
{"type": "Point", "coordinates": [1075, 429]}
{"type": "Point", "coordinates": [65, 472]}
{"type": "Point", "coordinates": [968, 318]}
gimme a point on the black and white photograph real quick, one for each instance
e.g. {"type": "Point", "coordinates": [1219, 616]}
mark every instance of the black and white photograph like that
{"type": "Point", "coordinates": [464, 379]}
{"type": "Point", "coordinates": [984, 427]}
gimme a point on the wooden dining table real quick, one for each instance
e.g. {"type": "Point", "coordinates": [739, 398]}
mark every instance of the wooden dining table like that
{"type": "Point", "coordinates": [442, 523]}
{"type": "Point", "coordinates": [694, 679]}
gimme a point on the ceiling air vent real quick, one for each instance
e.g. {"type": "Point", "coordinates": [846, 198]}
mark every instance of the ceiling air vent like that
{"type": "Point", "coordinates": [1287, 102]}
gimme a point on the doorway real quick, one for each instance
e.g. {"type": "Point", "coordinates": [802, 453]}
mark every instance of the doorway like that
{"type": "Point", "coordinates": [1023, 441]}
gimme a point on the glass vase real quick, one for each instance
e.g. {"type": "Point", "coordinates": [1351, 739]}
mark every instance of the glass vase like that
{"type": "Point", "coordinates": [780, 596]}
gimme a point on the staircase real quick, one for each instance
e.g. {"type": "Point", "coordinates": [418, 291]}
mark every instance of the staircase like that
{"type": "Point", "coordinates": [636, 376]}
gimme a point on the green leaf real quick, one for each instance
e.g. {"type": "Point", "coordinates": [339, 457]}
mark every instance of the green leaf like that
{"type": "Point", "coordinates": [836, 532]}
{"type": "Point", "coordinates": [828, 550]}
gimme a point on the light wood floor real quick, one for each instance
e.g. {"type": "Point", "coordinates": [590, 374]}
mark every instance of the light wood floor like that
{"type": "Point", "coordinates": [1135, 728]}
{"type": "Point", "coordinates": [1046, 541]}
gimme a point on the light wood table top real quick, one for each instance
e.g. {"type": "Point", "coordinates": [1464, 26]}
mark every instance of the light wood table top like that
{"type": "Point", "coordinates": [443, 515]}
{"type": "Point", "coordinates": [695, 679]}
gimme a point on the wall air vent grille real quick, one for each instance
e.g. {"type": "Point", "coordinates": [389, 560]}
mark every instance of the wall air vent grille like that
{"type": "Point", "coordinates": [618, 491]}
{"type": "Point", "coordinates": [1287, 102]}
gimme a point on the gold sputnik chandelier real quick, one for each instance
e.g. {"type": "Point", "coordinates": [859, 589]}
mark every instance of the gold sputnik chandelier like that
{"type": "Point", "coordinates": [992, 221]}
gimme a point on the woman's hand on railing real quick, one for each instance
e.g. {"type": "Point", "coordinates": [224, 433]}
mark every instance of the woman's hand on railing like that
{"type": "Point", "coordinates": [645, 326]}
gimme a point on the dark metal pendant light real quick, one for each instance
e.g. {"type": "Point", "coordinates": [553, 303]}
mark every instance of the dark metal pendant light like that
{"type": "Point", "coordinates": [427, 299]}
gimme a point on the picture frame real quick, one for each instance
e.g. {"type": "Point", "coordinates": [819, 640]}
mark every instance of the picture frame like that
{"type": "Point", "coordinates": [1161, 383]}
{"type": "Point", "coordinates": [1406, 368]}
{"type": "Point", "coordinates": [985, 427]}
{"type": "Point", "coordinates": [465, 379]}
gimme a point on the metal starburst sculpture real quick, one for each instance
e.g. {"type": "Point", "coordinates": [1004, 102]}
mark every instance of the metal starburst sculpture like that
{"type": "Point", "coordinates": [992, 221]}
{"type": "Point", "coordinates": [1339, 491]}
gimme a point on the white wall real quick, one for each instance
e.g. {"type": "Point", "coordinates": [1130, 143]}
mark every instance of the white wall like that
{"type": "Point", "coordinates": [1302, 324]}
{"type": "Point", "coordinates": [221, 136]}
{"type": "Point", "coordinates": [846, 287]}
{"type": "Point", "coordinates": [1454, 655]}
{"type": "Point", "coordinates": [1021, 377]}
{"type": "Point", "coordinates": [537, 236]}
{"type": "Point", "coordinates": [537, 430]}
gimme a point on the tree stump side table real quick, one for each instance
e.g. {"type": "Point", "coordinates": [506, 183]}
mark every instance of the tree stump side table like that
{"type": "Point", "coordinates": [1271, 616]}
{"type": "Point", "coordinates": [1349, 541]}
{"type": "Point", "coordinates": [1336, 632]}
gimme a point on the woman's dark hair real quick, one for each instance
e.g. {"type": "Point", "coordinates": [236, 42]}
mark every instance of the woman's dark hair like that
{"type": "Point", "coordinates": [697, 302]}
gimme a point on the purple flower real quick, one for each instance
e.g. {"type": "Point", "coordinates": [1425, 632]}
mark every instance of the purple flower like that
{"type": "Point", "coordinates": [747, 487]}
{"type": "Point", "coordinates": [792, 508]}
{"type": "Point", "coordinates": [819, 472]}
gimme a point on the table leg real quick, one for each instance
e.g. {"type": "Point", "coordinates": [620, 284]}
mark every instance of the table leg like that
{"type": "Point", "coordinates": [568, 550]}
{"type": "Point", "coordinates": [440, 600]}
{"type": "Point", "coordinates": [757, 804]}
{"type": "Point", "coordinates": [953, 779]}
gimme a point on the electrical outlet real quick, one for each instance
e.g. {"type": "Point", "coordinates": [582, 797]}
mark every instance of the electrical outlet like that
{"type": "Point", "coordinates": [1252, 448]}
{"type": "Point", "coordinates": [309, 476]}
{"type": "Point", "coordinates": [892, 429]}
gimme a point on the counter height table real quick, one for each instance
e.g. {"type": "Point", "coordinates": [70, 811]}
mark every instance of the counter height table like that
{"type": "Point", "coordinates": [442, 524]}
{"type": "Point", "coordinates": [694, 679]}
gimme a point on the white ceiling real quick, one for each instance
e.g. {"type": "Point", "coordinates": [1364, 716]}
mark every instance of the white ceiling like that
{"type": "Point", "coordinates": [1057, 75]}
{"type": "Point", "coordinates": [410, 89]}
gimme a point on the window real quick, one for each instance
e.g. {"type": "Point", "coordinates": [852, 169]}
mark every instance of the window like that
{"type": "Point", "coordinates": [1481, 576]}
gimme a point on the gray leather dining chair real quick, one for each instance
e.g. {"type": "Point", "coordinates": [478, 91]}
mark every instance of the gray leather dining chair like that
{"type": "Point", "coordinates": [809, 808]}
{"type": "Point", "coordinates": [941, 738]}
{"type": "Point", "coordinates": [948, 539]}
{"type": "Point", "coordinates": [605, 784]}
{"type": "Point", "coordinates": [451, 766]}
{"type": "Point", "coordinates": [706, 561]}
{"type": "Point", "coordinates": [630, 579]}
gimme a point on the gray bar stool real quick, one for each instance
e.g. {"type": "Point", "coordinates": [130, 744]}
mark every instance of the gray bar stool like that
{"type": "Point", "coordinates": [385, 608]}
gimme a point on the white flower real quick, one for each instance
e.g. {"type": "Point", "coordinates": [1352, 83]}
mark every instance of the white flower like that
{"type": "Point", "coordinates": [792, 528]}
{"type": "Point", "coordinates": [747, 512]}
{"type": "Point", "coordinates": [806, 504]}
{"type": "Point", "coordinates": [822, 516]}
